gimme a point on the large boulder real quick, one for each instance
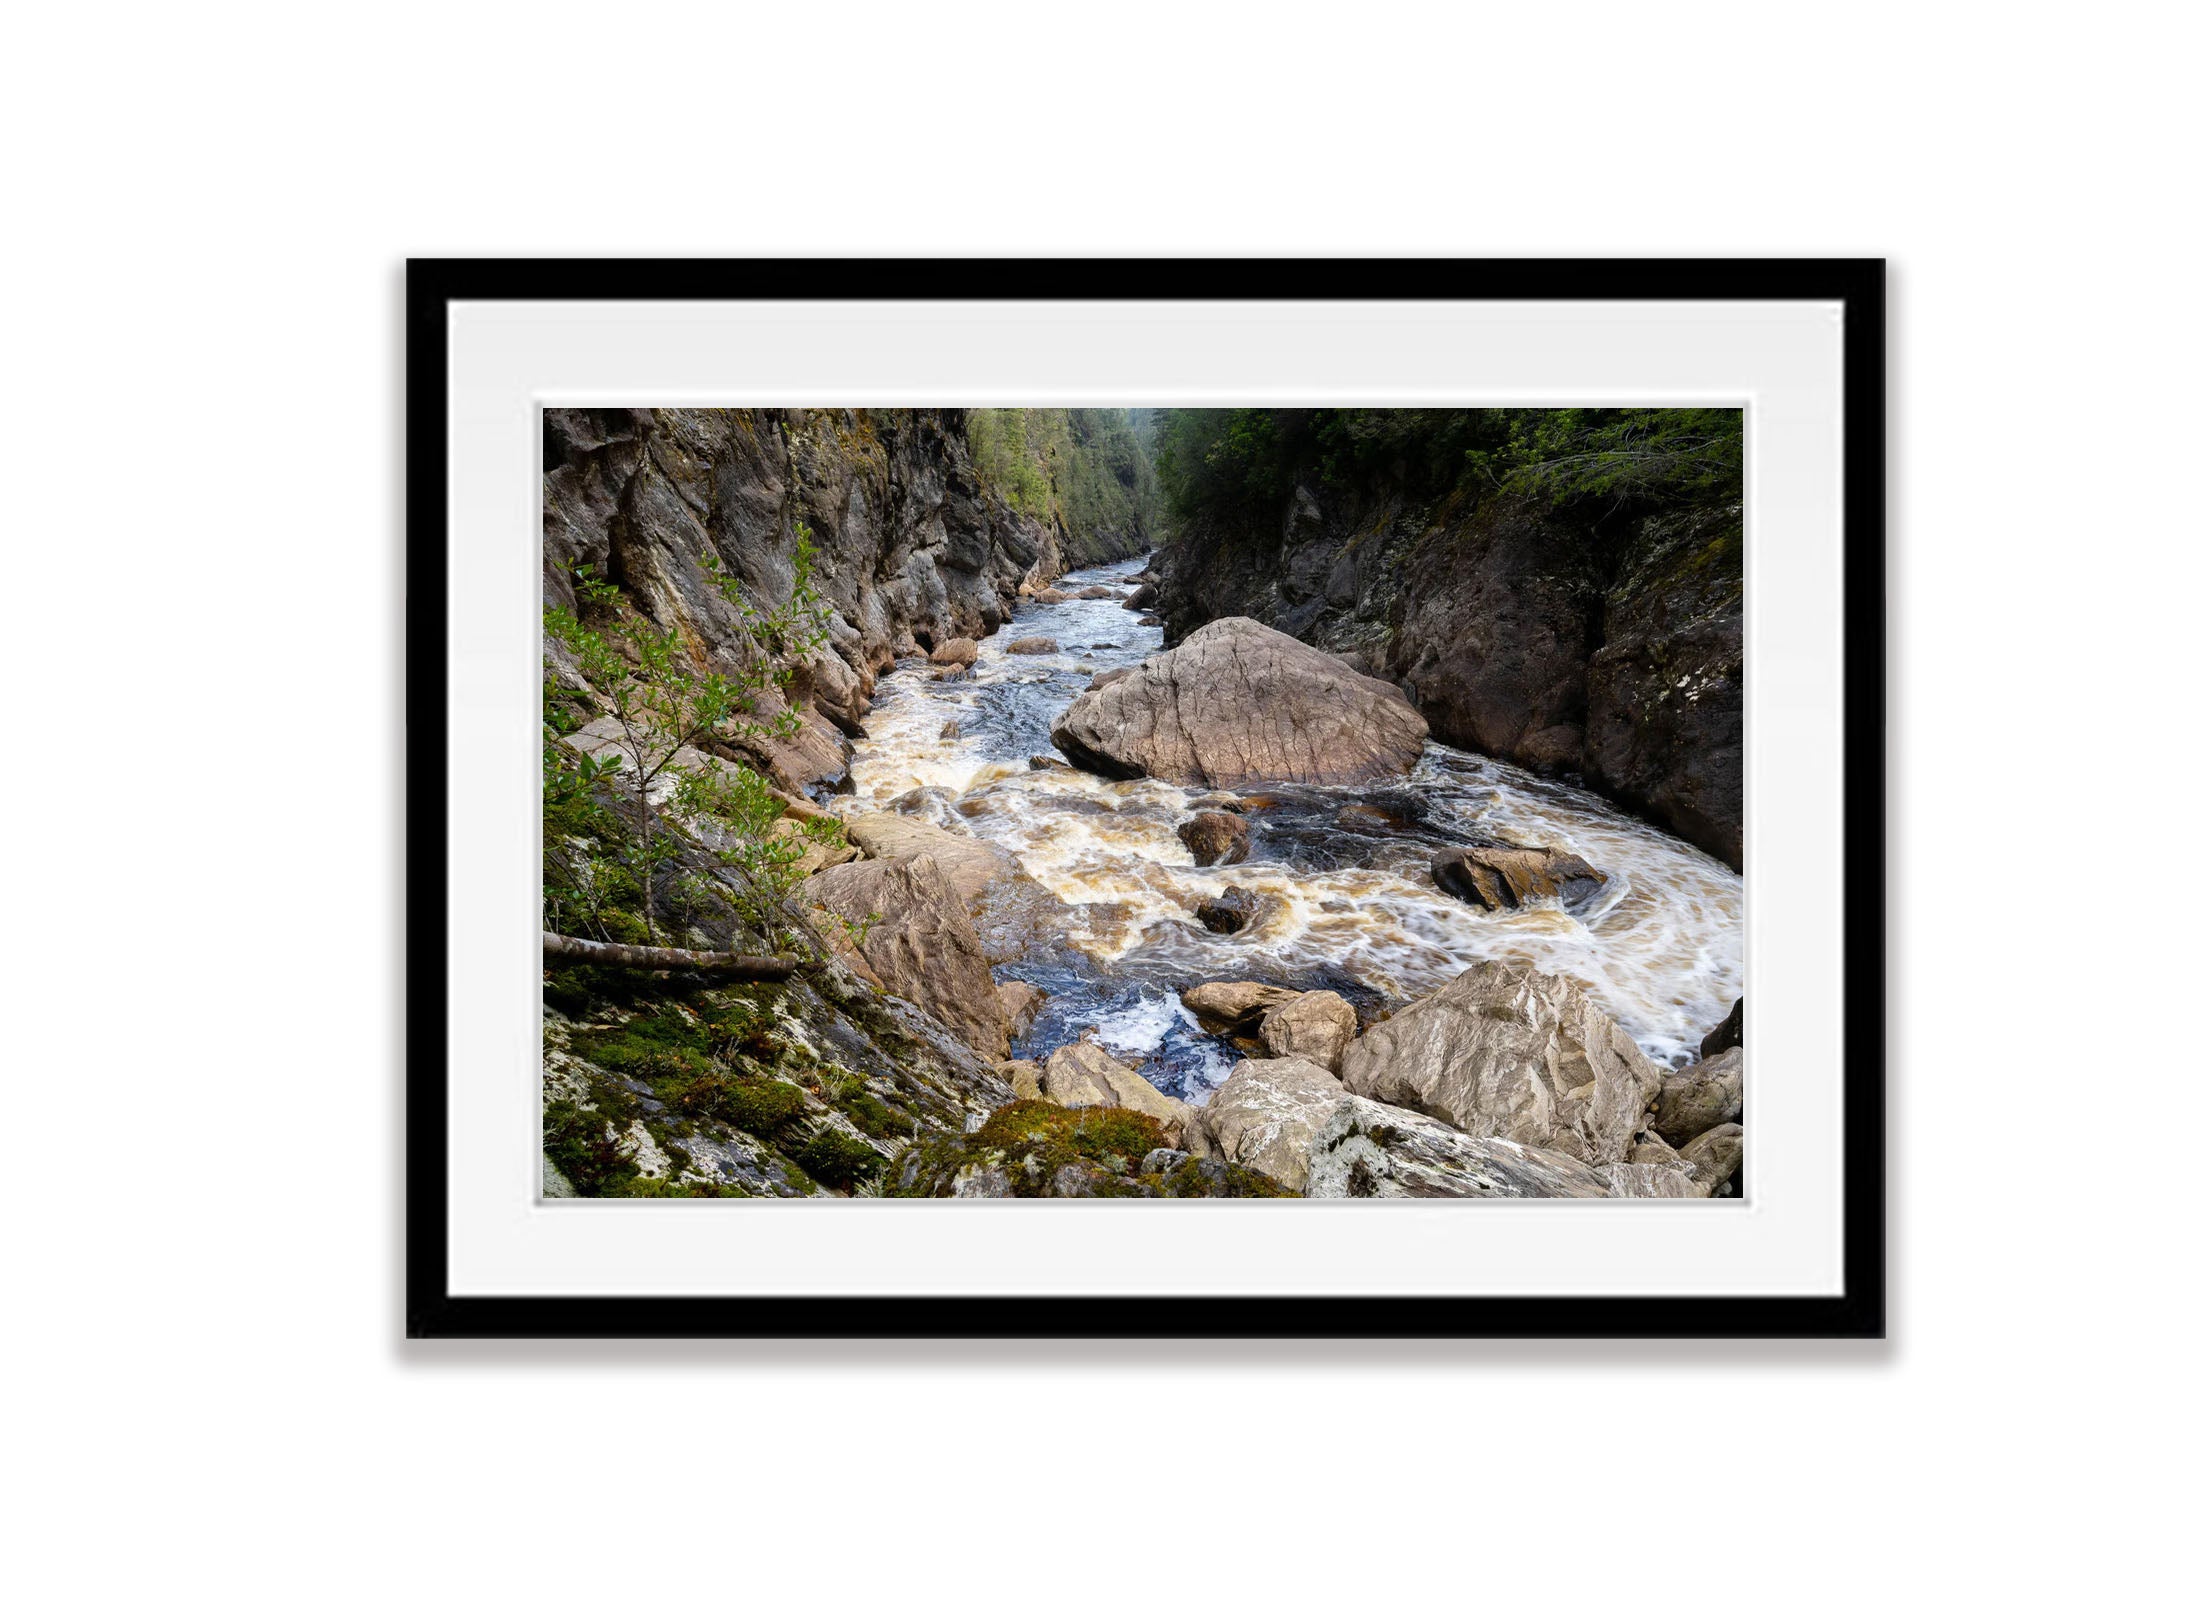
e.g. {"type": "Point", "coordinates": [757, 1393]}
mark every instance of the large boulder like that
{"type": "Point", "coordinates": [1033, 645]}
{"type": "Point", "coordinates": [1503, 878]}
{"type": "Point", "coordinates": [1086, 1075]}
{"type": "Point", "coordinates": [1240, 703]}
{"type": "Point", "coordinates": [1371, 1151]}
{"type": "Point", "coordinates": [1216, 838]}
{"type": "Point", "coordinates": [1650, 1181]}
{"type": "Point", "coordinates": [1315, 1027]}
{"type": "Point", "coordinates": [955, 653]}
{"type": "Point", "coordinates": [1265, 1117]}
{"type": "Point", "coordinates": [1235, 1007]}
{"type": "Point", "coordinates": [1700, 1097]}
{"type": "Point", "coordinates": [1506, 1052]}
{"type": "Point", "coordinates": [918, 941]}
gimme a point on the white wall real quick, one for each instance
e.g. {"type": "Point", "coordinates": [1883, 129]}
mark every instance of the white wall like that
{"type": "Point", "coordinates": [208, 207]}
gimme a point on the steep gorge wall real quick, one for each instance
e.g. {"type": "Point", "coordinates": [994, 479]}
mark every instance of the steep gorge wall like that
{"type": "Point", "coordinates": [912, 547]}
{"type": "Point", "coordinates": [1599, 645]}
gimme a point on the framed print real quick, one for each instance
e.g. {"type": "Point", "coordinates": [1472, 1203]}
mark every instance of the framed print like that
{"type": "Point", "coordinates": [1072, 797]}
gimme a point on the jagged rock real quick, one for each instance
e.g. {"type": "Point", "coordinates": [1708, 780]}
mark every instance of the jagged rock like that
{"type": "Point", "coordinates": [1503, 1051]}
{"type": "Point", "coordinates": [1047, 764]}
{"type": "Point", "coordinates": [1101, 680]}
{"type": "Point", "coordinates": [1315, 1027]}
{"type": "Point", "coordinates": [1020, 1004]}
{"type": "Point", "coordinates": [1724, 1037]}
{"type": "Point", "coordinates": [1235, 1007]}
{"type": "Point", "coordinates": [1140, 598]}
{"type": "Point", "coordinates": [1232, 911]}
{"type": "Point", "coordinates": [1371, 1151]}
{"type": "Point", "coordinates": [1158, 1163]}
{"type": "Point", "coordinates": [1716, 1154]}
{"type": "Point", "coordinates": [1086, 1075]}
{"type": "Point", "coordinates": [1650, 1181]}
{"type": "Point", "coordinates": [1239, 703]}
{"type": "Point", "coordinates": [1502, 878]}
{"type": "Point", "coordinates": [1034, 645]}
{"type": "Point", "coordinates": [1216, 838]}
{"type": "Point", "coordinates": [1265, 1117]}
{"type": "Point", "coordinates": [1700, 1097]}
{"type": "Point", "coordinates": [954, 653]}
{"type": "Point", "coordinates": [1025, 1079]}
{"type": "Point", "coordinates": [979, 1181]}
{"type": "Point", "coordinates": [921, 945]}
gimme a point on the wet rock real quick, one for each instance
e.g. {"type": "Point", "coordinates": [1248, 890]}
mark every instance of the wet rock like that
{"type": "Point", "coordinates": [1724, 1037]}
{"type": "Point", "coordinates": [1716, 1154]}
{"type": "Point", "coordinates": [1050, 597]}
{"type": "Point", "coordinates": [1371, 1151]}
{"type": "Point", "coordinates": [1216, 838]}
{"type": "Point", "coordinates": [1237, 703]}
{"type": "Point", "coordinates": [1700, 1097]}
{"type": "Point", "coordinates": [1034, 645]}
{"type": "Point", "coordinates": [1093, 591]}
{"type": "Point", "coordinates": [1020, 1004]}
{"type": "Point", "coordinates": [1235, 1007]}
{"type": "Point", "coordinates": [1141, 598]}
{"type": "Point", "coordinates": [1048, 764]}
{"type": "Point", "coordinates": [1503, 878]}
{"type": "Point", "coordinates": [1265, 1117]}
{"type": "Point", "coordinates": [951, 730]}
{"type": "Point", "coordinates": [920, 942]}
{"type": "Point", "coordinates": [1232, 911]}
{"type": "Point", "coordinates": [1149, 622]}
{"type": "Point", "coordinates": [1086, 1075]}
{"type": "Point", "coordinates": [1315, 1027]}
{"type": "Point", "coordinates": [1100, 680]}
{"type": "Point", "coordinates": [954, 674]}
{"type": "Point", "coordinates": [1221, 800]}
{"type": "Point", "coordinates": [1503, 1051]}
{"type": "Point", "coordinates": [954, 653]}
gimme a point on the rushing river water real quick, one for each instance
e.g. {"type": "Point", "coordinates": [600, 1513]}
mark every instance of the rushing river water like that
{"type": "Point", "coordinates": [1346, 872]}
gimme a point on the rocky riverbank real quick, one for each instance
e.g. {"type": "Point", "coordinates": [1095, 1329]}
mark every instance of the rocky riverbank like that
{"type": "Point", "coordinates": [1096, 909]}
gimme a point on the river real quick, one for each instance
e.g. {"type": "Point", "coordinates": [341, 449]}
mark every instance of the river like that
{"type": "Point", "coordinates": [1354, 910]}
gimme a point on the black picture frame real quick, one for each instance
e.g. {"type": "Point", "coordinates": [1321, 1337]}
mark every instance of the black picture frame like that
{"type": "Point", "coordinates": [1858, 1312]}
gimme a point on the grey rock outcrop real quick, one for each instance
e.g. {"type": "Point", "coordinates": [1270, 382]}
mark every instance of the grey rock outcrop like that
{"type": "Point", "coordinates": [1371, 1151]}
{"type": "Point", "coordinates": [919, 942]}
{"type": "Point", "coordinates": [1716, 1154]}
{"type": "Point", "coordinates": [1503, 1051]}
{"type": "Point", "coordinates": [1235, 1007]}
{"type": "Point", "coordinates": [1504, 878]}
{"type": "Point", "coordinates": [1086, 1075]}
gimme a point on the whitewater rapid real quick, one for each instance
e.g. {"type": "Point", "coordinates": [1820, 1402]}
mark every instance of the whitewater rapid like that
{"type": "Point", "coordinates": [1346, 871]}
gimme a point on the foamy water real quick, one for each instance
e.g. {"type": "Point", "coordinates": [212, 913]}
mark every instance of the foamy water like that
{"type": "Point", "coordinates": [1348, 901]}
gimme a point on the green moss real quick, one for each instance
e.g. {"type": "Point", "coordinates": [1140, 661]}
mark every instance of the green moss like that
{"type": "Point", "coordinates": [762, 1107]}
{"type": "Point", "coordinates": [837, 1160]}
{"type": "Point", "coordinates": [874, 1116]}
{"type": "Point", "coordinates": [667, 1040]}
{"type": "Point", "coordinates": [584, 1145]}
{"type": "Point", "coordinates": [1061, 1133]}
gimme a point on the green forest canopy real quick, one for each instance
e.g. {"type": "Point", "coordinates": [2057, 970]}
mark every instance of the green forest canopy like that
{"type": "Point", "coordinates": [1249, 459]}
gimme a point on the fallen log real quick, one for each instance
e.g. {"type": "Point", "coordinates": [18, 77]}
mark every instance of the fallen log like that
{"type": "Point", "coordinates": [661, 958]}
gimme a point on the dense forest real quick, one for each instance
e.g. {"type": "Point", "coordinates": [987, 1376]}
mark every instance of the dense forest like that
{"type": "Point", "coordinates": [1060, 802]}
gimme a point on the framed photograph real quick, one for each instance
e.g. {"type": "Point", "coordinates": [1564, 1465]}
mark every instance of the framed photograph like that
{"type": "Point", "coordinates": [1108, 798]}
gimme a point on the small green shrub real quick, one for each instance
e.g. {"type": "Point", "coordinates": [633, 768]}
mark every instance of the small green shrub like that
{"type": "Point", "coordinates": [838, 1161]}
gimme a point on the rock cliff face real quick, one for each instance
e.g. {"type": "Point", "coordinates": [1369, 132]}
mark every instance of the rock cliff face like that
{"type": "Point", "coordinates": [912, 549]}
{"type": "Point", "coordinates": [1608, 648]}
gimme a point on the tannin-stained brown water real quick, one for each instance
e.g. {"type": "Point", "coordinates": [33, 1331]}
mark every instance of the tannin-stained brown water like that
{"type": "Point", "coordinates": [1343, 873]}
